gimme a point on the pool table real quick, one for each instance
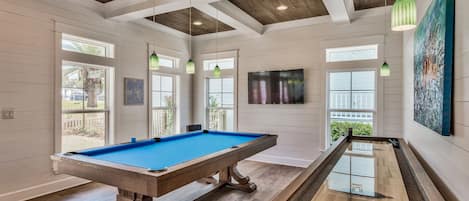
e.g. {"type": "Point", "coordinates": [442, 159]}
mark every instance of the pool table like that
{"type": "Point", "coordinates": [154, 167]}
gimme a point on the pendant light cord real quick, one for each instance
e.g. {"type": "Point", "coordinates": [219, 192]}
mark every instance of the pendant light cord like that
{"type": "Point", "coordinates": [154, 21]}
{"type": "Point", "coordinates": [385, 25]}
{"type": "Point", "coordinates": [190, 29]}
{"type": "Point", "coordinates": [216, 39]}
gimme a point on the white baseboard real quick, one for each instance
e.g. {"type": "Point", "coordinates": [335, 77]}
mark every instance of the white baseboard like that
{"type": "Point", "coordinates": [43, 189]}
{"type": "Point", "coordinates": [289, 161]}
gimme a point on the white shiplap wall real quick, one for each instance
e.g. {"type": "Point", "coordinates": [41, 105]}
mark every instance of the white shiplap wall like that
{"type": "Point", "coordinates": [447, 156]}
{"type": "Point", "coordinates": [301, 127]}
{"type": "Point", "coordinates": [27, 59]}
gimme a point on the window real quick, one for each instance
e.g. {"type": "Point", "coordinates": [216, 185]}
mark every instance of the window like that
{"type": "Point", "coordinates": [87, 46]}
{"type": "Point", "coordinates": [86, 94]}
{"type": "Point", "coordinates": [227, 63]}
{"type": "Point", "coordinates": [168, 62]}
{"type": "Point", "coordinates": [163, 96]}
{"type": "Point", "coordinates": [220, 92]}
{"type": "Point", "coordinates": [355, 53]}
{"type": "Point", "coordinates": [220, 103]}
{"type": "Point", "coordinates": [85, 108]}
{"type": "Point", "coordinates": [351, 103]}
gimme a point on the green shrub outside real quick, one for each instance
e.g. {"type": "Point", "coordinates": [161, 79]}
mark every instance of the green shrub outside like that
{"type": "Point", "coordinates": [339, 128]}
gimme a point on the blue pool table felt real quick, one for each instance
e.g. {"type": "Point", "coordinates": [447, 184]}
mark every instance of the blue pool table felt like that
{"type": "Point", "coordinates": [170, 151]}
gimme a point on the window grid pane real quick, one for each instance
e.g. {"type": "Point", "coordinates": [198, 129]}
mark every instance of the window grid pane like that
{"type": "Point", "coordinates": [355, 53]}
{"type": "Point", "coordinates": [360, 95]}
{"type": "Point", "coordinates": [84, 107]}
{"type": "Point", "coordinates": [87, 46]}
{"type": "Point", "coordinates": [220, 100]}
{"type": "Point", "coordinates": [163, 106]}
{"type": "Point", "coordinates": [341, 98]}
{"type": "Point", "coordinates": [227, 63]}
{"type": "Point", "coordinates": [167, 62]}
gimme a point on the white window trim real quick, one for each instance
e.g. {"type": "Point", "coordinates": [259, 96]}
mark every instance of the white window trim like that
{"type": "Point", "coordinates": [224, 74]}
{"type": "Point", "coordinates": [64, 55]}
{"type": "Point", "coordinates": [373, 111]}
{"type": "Point", "coordinates": [347, 66]}
{"type": "Point", "coordinates": [177, 72]}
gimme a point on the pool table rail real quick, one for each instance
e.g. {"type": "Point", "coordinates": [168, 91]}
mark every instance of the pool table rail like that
{"type": "Point", "coordinates": [140, 181]}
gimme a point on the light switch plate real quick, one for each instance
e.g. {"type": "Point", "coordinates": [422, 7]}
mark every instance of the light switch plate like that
{"type": "Point", "coordinates": [8, 113]}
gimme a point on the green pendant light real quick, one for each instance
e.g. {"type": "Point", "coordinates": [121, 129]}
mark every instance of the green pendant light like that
{"type": "Point", "coordinates": [404, 15]}
{"type": "Point", "coordinates": [217, 69]}
{"type": "Point", "coordinates": [154, 60]}
{"type": "Point", "coordinates": [385, 71]}
{"type": "Point", "coordinates": [190, 66]}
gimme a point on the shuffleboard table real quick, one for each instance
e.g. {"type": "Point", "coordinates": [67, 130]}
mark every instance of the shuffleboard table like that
{"type": "Point", "coordinates": [365, 169]}
{"type": "Point", "coordinates": [154, 167]}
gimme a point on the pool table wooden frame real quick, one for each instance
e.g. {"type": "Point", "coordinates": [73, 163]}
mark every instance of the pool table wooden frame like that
{"type": "Point", "coordinates": [140, 184]}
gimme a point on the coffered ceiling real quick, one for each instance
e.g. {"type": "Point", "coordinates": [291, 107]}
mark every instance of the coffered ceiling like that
{"type": "Point", "coordinates": [201, 22]}
{"type": "Point", "coordinates": [270, 12]}
{"type": "Point", "coordinates": [251, 17]}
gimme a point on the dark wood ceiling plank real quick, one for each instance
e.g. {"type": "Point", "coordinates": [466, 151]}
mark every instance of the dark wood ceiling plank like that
{"type": "Point", "coordinates": [367, 4]}
{"type": "Point", "coordinates": [265, 11]}
{"type": "Point", "coordinates": [179, 20]}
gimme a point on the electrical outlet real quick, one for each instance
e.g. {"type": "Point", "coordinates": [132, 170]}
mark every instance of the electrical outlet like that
{"type": "Point", "coordinates": [8, 113]}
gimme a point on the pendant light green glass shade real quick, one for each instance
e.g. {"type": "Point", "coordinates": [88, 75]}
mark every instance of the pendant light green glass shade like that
{"type": "Point", "coordinates": [154, 61]}
{"type": "Point", "coordinates": [404, 15]}
{"type": "Point", "coordinates": [385, 71]}
{"type": "Point", "coordinates": [217, 71]}
{"type": "Point", "coordinates": [190, 67]}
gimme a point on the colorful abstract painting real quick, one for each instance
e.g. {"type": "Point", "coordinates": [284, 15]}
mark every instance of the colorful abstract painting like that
{"type": "Point", "coordinates": [134, 93]}
{"type": "Point", "coordinates": [433, 67]}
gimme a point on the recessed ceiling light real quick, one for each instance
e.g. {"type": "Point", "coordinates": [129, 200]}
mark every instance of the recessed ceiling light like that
{"type": "Point", "coordinates": [282, 7]}
{"type": "Point", "coordinates": [197, 23]}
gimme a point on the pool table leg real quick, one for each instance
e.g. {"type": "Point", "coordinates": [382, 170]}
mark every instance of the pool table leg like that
{"type": "Point", "coordinates": [131, 196]}
{"type": "Point", "coordinates": [243, 182]}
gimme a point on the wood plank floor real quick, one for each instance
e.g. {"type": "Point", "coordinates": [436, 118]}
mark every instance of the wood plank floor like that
{"type": "Point", "coordinates": [270, 180]}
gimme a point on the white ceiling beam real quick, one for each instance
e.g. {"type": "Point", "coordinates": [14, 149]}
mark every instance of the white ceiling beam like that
{"type": "Point", "coordinates": [213, 36]}
{"type": "Point", "coordinates": [142, 9]}
{"type": "Point", "coordinates": [161, 28]}
{"type": "Point", "coordinates": [341, 11]}
{"type": "Point", "coordinates": [233, 16]}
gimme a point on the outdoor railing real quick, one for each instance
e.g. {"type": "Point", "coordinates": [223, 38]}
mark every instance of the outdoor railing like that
{"type": "Point", "coordinates": [217, 119]}
{"type": "Point", "coordinates": [163, 120]}
{"type": "Point", "coordinates": [82, 121]}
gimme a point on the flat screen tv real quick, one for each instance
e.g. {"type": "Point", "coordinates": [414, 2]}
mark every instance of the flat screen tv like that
{"type": "Point", "coordinates": [276, 87]}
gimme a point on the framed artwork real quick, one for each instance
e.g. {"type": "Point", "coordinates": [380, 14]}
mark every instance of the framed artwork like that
{"type": "Point", "coordinates": [433, 67]}
{"type": "Point", "coordinates": [134, 92]}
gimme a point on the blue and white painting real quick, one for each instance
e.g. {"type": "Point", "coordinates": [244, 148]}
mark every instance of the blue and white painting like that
{"type": "Point", "coordinates": [433, 67]}
{"type": "Point", "coordinates": [134, 91]}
